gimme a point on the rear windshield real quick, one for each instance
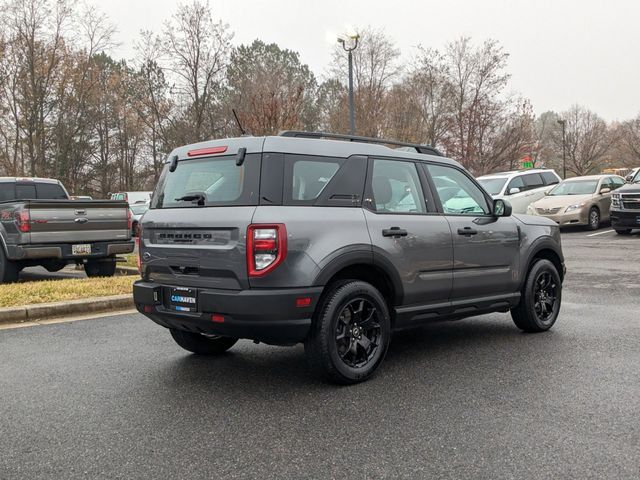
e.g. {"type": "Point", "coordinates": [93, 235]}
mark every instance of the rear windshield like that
{"type": "Point", "coordinates": [216, 179]}
{"type": "Point", "coordinates": [492, 185]}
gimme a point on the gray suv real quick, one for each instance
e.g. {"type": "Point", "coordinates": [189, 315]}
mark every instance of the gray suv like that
{"type": "Point", "coordinates": [334, 241]}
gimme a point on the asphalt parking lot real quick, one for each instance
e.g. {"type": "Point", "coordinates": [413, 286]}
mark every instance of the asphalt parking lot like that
{"type": "Point", "coordinates": [116, 398]}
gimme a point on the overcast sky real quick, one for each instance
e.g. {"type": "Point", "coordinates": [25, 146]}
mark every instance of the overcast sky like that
{"type": "Point", "coordinates": [562, 51]}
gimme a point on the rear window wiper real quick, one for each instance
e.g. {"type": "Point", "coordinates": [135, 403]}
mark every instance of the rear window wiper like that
{"type": "Point", "coordinates": [200, 197]}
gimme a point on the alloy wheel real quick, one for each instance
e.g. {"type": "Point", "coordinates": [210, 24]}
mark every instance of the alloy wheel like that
{"type": "Point", "coordinates": [357, 333]}
{"type": "Point", "coordinates": [545, 297]}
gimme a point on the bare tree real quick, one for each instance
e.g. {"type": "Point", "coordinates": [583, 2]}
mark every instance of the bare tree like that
{"type": "Point", "coordinates": [197, 50]}
{"type": "Point", "coordinates": [588, 140]}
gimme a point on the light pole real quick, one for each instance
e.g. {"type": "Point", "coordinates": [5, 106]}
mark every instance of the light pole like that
{"type": "Point", "coordinates": [564, 148]}
{"type": "Point", "coordinates": [349, 49]}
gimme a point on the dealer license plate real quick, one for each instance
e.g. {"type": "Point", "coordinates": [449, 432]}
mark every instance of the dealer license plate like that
{"type": "Point", "coordinates": [84, 249]}
{"type": "Point", "coordinates": [184, 299]}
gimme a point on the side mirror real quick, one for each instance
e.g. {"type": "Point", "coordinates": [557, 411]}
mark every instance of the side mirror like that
{"type": "Point", "coordinates": [501, 208]}
{"type": "Point", "coordinates": [546, 192]}
{"type": "Point", "coordinates": [514, 190]}
{"type": "Point", "coordinates": [604, 190]}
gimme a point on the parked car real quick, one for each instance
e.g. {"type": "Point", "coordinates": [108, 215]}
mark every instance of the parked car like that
{"type": "Point", "coordinates": [633, 176]}
{"type": "Point", "coordinates": [137, 211]}
{"type": "Point", "coordinates": [40, 225]}
{"type": "Point", "coordinates": [132, 197]}
{"type": "Point", "coordinates": [579, 201]}
{"type": "Point", "coordinates": [625, 207]}
{"type": "Point", "coordinates": [521, 187]}
{"type": "Point", "coordinates": [304, 238]}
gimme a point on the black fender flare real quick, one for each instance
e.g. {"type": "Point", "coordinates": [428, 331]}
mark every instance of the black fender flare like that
{"type": "Point", "coordinates": [349, 256]}
{"type": "Point", "coordinates": [543, 243]}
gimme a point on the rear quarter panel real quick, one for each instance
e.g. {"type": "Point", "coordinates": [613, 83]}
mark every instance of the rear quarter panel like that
{"type": "Point", "coordinates": [316, 237]}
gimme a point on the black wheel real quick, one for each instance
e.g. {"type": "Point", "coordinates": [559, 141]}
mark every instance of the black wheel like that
{"type": "Point", "coordinates": [594, 219]}
{"type": "Point", "coordinates": [541, 298]}
{"type": "Point", "coordinates": [350, 333]}
{"type": "Point", "coordinates": [202, 344]}
{"type": "Point", "coordinates": [103, 268]}
{"type": "Point", "coordinates": [8, 270]}
{"type": "Point", "coordinates": [623, 231]}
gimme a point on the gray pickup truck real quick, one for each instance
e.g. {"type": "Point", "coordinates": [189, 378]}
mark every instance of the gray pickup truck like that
{"type": "Point", "coordinates": [40, 225]}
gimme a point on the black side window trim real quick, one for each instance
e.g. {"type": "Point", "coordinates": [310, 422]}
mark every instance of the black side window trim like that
{"type": "Point", "coordinates": [430, 207]}
{"type": "Point", "coordinates": [438, 204]}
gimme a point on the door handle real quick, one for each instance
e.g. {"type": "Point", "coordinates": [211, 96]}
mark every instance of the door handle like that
{"type": "Point", "coordinates": [394, 232]}
{"type": "Point", "coordinates": [467, 231]}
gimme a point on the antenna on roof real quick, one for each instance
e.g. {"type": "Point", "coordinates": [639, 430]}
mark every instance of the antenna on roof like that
{"type": "Point", "coordinates": [242, 130]}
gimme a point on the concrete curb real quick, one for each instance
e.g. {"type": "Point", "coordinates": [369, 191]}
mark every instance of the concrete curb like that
{"type": "Point", "coordinates": [42, 311]}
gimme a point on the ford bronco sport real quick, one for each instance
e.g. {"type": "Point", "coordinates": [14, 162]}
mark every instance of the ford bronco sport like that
{"type": "Point", "coordinates": [334, 241]}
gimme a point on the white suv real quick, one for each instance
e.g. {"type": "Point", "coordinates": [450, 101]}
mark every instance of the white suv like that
{"type": "Point", "coordinates": [520, 188]}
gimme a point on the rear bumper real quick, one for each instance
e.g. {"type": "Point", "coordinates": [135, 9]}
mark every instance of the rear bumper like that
{"type": "Point", "coordinates": [266, 315]}
{"type": "Point", "coordinates": [620, 219]}
{"type": "Point", "coordinates": [62, 251]}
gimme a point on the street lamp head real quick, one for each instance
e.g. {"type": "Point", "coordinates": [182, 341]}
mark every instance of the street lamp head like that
{"type": "Point", "coordinates": [561, 121]}
{"type": "Point", "coordinates": [341, 40]}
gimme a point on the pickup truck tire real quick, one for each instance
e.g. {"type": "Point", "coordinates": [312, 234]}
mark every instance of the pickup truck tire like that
{"type": "Point", "coordinates": [8, 270]}
{"type": "Point", "coordinates": [100, 268]}
{"type": "Point", "coordinates": [541, 298]}
{"type": "Point", "coordinates": [201, 344]}
{"type": "Point", "coordinates": [350, 333]}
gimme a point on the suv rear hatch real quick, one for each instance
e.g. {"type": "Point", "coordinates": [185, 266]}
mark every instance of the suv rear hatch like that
{"type": "Point", "coordinates": [194, 233]}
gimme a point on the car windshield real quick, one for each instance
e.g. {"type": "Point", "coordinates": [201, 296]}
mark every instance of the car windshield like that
{"type": "Point", "coordinates": [492, 185]}
{"type": "Point", "coordinates": [139, 209]}
{"type": "Point", "coordinates": [582, 187]}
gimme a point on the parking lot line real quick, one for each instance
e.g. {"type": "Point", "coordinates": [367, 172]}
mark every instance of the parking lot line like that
{"type": "Point", "coordinates": [600, 233]}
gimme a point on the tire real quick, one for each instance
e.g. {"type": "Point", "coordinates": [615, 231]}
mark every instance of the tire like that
{"type": "Point", "coordinates": [349, 334]}
{"type": "Point", "coordinates": [593, 219]}
{"type": "Point", "coordinates": [8, 270]}
{"type": "Point", "coordinates": [201, 344]}
{"type": "Point", "coordinates": [54, 266]}
{"type": "Point", "coordinates": [100, 268]}
{"type": "Point", "coordinates": [534, 314]}
{"type": "Point", "coordinates": [623, 231]}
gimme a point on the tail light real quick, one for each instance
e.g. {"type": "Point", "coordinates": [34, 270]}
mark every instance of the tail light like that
{"type": "Point", "coordinates": [139, 257]}
{"type": "Point", "coordinates": [138, 243]}
{"type": "Point", "coordinates": [23, 221]}
{"type": "Point", "coordinates": [129, 219]}
{"type": "Point", "coordinates": [266, 248]}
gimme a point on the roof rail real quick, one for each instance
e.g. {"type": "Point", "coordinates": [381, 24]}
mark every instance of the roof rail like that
{"type": "Point", "coordinates": [427, 149]}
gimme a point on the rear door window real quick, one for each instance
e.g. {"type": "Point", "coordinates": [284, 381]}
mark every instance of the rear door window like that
{"type": "Point", "coordinates": [218, 180]}
{"type": "Point", "coordinates": [532, 181]}
{"type": "Point", "coordinates": [50, 191]}
{"type": "Point", "coordinates": [396, 187]}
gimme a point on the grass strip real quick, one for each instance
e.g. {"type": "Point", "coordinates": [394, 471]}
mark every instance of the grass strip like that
{"type": "Point", "coordinates": [46, 291]}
